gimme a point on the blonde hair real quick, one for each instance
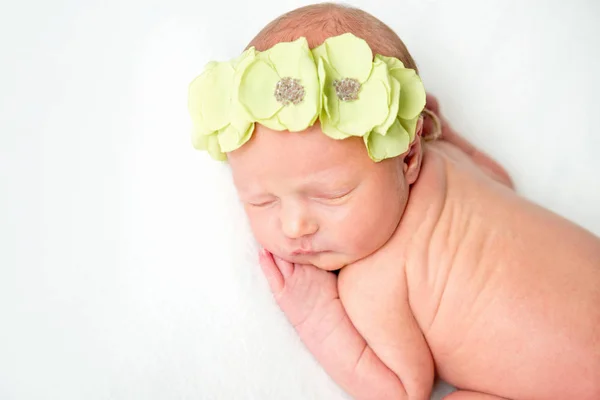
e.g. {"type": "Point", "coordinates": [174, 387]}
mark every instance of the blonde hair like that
{"type": "Point", "coordinates": [317, 22]}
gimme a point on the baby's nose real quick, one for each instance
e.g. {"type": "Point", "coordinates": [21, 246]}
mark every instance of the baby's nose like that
{"type": "Point", "coordinates": [296, 225]}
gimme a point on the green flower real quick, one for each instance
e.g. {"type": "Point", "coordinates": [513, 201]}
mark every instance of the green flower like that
{"type": "Point", "coordinates": [358, 94]}
{"type": "Point", "coordinates": [218, 124]}
{"type": "Point", "coordinates": [395, 142]}
{"type": "Point", "coordinates": [412, 93]}
{"type": "Point", "coordinates": [280, 88]}
{"type": "Point", "coordinates": [401, 133]}
{"type": "Point", "coordinates": [288, 87]}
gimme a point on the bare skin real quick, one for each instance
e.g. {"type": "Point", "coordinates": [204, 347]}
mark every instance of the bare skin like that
{"type": "Point", "coordinates": [497, 295]}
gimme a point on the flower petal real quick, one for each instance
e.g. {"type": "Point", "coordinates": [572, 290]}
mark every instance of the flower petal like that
{"type": "Point", "coordinates": [214, 149]}
{"type": "Point", "coordinates": [393, 108]}
{"type": "Point", "coordinates": [330, 117]}
{"type": "Point", "coordinates": [273, 123]}
{"type": "Point", "coordinates": [360, 116]}
{"type": "Point", "coordinates": [290, 58]}
{"type": "Point", "coordinates": [320, 53]}
{"type": "Point", "coordinates": [350, 56]}
{"type": "Point", "coordinates": [256, 90]}
{"type": "Point", "coordinates": [298, 117]}
{"type": "Point", "coordinates": [412, 93]}
{"type": "Point", "coordinates": [320, 56]}
{"type": "Point", "coordinates": [410, 125]}
{"type": "Point", "coordinates": [228, 138]}
{"type": "Point", "coordinates": [296, 61]}
{"type": "Point", "coordinates": [245, 58]}
{"type": "Point", "coordinates": [209, 143]}
{"type": "Point", "coordinates": [209, 96]}
{"type": "Point", "coordinates": [200, 130]}
{"type": "Point", "coordinates": [321, 79]}
{"type": "Point", "coordinates": [392, 62]}
{"type": "Point", "coordinates": [331, 130]}
{"type": "Point", "coordinates": [329, 98]}
{"type": "Point", "coordinates": [394, 143]}
{"type": "Point", "coordinates": [200, 139]}
{"type": "Point", "coordinates": [247, 135]}
{"type": "Point", "coordinates": [231, 139]}
{"type": "Point", "coordinates": [240, 122]}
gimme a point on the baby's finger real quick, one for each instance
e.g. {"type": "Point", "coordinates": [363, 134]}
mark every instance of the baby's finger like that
{"type": "Point", "coordinates": [286, 268]}
{"type": "Point", "coordinates": [271, 271]}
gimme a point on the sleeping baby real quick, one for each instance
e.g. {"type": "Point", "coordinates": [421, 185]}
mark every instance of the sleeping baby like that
{"type": "Point", "coordinates": [396, 249]}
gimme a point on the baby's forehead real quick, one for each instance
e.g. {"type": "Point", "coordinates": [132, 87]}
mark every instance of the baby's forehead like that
{"type": "Point", "coordinates": [293, 155]}
{"type": "Point", "coordinates": [308, 146]}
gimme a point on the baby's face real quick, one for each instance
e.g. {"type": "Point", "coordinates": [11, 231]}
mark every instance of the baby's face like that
{"type": "Point", "coordinates": [314, 200]}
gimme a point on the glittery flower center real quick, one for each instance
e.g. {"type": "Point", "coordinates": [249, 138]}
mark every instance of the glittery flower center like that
{"type": "Point", "coordinates": [289, 90]}
{"type": "Point", "coordinates": [347, 89]}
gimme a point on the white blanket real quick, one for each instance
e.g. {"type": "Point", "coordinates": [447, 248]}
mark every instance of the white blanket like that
{"type": "Point", "coordinates": [127, 270]}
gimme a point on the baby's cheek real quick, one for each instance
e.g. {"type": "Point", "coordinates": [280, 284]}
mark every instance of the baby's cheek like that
{"type": "Point", "coordinates": [372, 228]}
{"type": "Point", "coordinates": [255, 223]}
{"type": "Point", "coordinates": [355, 235]}
{"type": "Point", "coordinates": [261, 229]}
{"type": "Point", "coordinates": [365, 245]}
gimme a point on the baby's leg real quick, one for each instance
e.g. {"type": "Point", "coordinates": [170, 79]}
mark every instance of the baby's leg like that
{"type": "Point", "coordinates": [484, 161]}
{"type": "Point", "coordinates": [309, 298]}
{"type": "Point", "coordinates": [466, 395]}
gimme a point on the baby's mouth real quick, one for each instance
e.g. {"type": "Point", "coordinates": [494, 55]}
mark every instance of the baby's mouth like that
{"type": "Point", "coordinates": [302, 252]}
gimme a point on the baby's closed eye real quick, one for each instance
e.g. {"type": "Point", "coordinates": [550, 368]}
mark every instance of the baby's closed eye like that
{"type": "Point", "coordinates": [332, 197]}
{"type": "Point", "coordinates": [261, 202]}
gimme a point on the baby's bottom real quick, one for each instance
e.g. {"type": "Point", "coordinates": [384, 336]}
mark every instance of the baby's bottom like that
{"type": "Point", "coordinates": [485, 162]}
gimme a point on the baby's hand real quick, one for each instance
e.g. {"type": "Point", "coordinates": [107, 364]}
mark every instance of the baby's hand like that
{"type": "Point", "coordinates": [306, 294]}
{"type": "Point", "coordinates": [309, 298]}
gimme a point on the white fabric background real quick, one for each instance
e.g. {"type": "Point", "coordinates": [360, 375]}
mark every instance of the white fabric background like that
{"type": "Point", "coordinates": [126, 267]}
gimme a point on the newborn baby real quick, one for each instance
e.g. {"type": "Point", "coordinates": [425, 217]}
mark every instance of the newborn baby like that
{"type": "Point", "coordinates": [440, 265]}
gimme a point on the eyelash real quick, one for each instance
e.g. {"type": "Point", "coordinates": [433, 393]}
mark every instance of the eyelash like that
{"type": "Point", "coordinates": [263, 204]}
{"type": "Point", "coordinates": [324, 199]}
{"type": "Point", "coordinates": [335, 197]}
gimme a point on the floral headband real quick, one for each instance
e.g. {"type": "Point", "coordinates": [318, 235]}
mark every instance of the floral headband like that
{"type": "Point", "coordinates": [288, 87]}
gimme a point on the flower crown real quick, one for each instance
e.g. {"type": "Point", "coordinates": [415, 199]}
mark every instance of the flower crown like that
{"type": "Point", "coordinates": [288, 87]}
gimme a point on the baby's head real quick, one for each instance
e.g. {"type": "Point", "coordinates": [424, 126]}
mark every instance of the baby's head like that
{"type": "Point", "coordinates": [323, 180]}
{"type": "Point", "coordinates": [314, 200]}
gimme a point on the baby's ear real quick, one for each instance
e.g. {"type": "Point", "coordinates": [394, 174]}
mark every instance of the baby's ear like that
{"type": "Point", "coordinates": [419, 128]}
{"type": "Point", "coordinates": [412, 161]}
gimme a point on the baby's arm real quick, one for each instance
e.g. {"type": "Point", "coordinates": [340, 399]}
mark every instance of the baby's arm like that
{"type": "Point", "coordinates": [375, 296]}
{"type": "Point", "coordinates": [309, 298]}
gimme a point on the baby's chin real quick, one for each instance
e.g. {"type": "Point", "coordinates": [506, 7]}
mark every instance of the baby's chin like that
{"type": "Point", "coordinates": [326, 260]}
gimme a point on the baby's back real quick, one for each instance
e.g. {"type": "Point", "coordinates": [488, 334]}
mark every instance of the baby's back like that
{"type": "Point", "coordinates": [521, 300]}
{"type": "Point", "coordinates": [507, 294]}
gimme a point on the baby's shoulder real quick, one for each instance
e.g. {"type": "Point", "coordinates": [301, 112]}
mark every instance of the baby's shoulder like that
{"type": "Point", "coordinates": [476, 167]}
